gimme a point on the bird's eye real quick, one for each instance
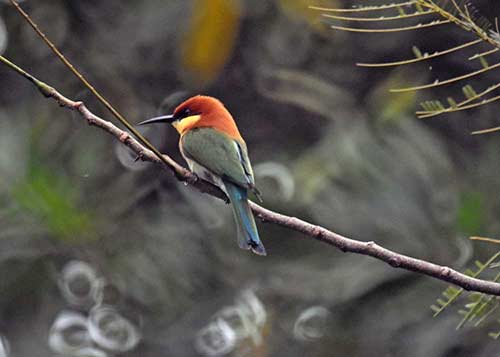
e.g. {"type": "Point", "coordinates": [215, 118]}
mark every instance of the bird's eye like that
{"type": "Point", "coordinates": [186, 113]}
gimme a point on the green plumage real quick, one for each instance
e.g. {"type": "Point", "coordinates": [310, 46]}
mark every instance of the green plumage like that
{"type": "Point", "coordinates": [223, 160]}
{"type": "Point", "coordinates": [219, 153]}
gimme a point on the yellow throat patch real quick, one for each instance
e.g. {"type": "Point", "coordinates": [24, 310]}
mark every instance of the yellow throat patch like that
{"type": "Point", "coordinates": [186, 123]}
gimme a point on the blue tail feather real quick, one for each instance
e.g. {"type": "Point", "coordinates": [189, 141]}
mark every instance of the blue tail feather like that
{"type": "Point", "coordinates": [248, 236]}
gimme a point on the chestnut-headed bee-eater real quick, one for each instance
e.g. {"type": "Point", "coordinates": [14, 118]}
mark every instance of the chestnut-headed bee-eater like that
{"type": "Point", "coordinates": [213, 148]}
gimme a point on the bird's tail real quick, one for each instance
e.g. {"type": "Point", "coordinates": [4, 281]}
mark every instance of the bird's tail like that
{"type": "Point", "coordinates": [248, 236]}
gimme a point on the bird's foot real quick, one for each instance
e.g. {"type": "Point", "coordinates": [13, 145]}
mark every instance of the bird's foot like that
{"type": "Point", "coordinates": [192, 178]}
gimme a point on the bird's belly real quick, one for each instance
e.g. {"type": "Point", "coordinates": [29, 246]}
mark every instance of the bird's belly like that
{"type": "Point", "coordinates": [205, 174]}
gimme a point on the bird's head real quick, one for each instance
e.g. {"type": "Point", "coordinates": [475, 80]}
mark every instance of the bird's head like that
{"type": "Point", "coordinates": [199, 111]}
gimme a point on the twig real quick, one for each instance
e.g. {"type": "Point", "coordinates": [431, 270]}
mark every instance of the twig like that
{"type": "Point", "coordinates": [486, 239]}
{"type": "Point", "coordinates": [142, 152]}
{"type": "Point", "coordinates": [169, 162]}
{"type": "Point", "coordinates": [314, 231]}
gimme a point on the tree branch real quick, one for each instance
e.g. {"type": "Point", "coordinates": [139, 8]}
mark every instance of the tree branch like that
{"type": "Point", "coordinates": [142, 152]}
{"type": "Point", "coordinates": [314, 231]}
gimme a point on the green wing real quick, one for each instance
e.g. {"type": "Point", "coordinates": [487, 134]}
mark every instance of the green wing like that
{"type": "Point", "coordinates": [220, 154]}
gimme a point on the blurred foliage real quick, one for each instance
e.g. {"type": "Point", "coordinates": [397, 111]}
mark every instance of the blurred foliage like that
{"type": "Point", "coordinates": [301, 10]}
{"type": "Point", "coordinates": [471, 212]}
{"type": "Point", "coordinates": [54, 201]}
{"type": "Point", "coordinates": [479, 308]}
{"type": "Point", "coordinates": [391, 106]}
{"type": "Point", "coordinates": [211, 37]}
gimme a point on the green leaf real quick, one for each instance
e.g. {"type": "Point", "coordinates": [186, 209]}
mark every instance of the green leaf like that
{"type": "Point", "coordinates": [484, 62]}
{"type": "Point", "coordinates": [468, 91]}
{"type": "Point", "coordinates": [471, 213]}
{"type": "Point", "coordinates": [450, 299]}
{"type": "Point", "coordinates": [494, 335]}
{"type": "Point", "coordinates": [54, 201]}
{"type": "Point", "coordinates": [435, 308]}
{"type": "Point", "coordinates": [417, 52]}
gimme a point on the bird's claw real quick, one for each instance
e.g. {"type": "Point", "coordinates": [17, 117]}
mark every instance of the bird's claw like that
{"type": "Point", "coordinates": [194, 177]}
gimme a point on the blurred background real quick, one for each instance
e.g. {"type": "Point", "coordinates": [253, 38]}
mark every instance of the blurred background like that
{"type": "Point", "coordinates": [104, 256]}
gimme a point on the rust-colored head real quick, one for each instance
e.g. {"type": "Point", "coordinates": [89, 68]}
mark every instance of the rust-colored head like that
{"type": "Point", "coordinates": [201, 112]}
{"type": "Point", "coordinates": [204, 111]}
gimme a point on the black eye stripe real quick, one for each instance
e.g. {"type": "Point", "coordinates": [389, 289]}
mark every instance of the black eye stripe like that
{"type": "Point", "coordinates": [185, 113]}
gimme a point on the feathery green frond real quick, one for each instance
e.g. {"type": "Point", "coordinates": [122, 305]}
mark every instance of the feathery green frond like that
{"type": "Point", "coordinates": [480, 305]}
{"type": "Point", "coordinates": [452, 293]}
{"type": "Point", "coordinates": [431, 110]}
{"type": "Point", "coordinates": [458, 12]}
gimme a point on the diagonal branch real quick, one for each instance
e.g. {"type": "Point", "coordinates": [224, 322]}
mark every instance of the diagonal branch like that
{"type": "Point", "coordinates": [142, 152]}
{"type": "Point", "coordinates": [314, 231]}
{"type": "Point", "coordinates": [163, 158]}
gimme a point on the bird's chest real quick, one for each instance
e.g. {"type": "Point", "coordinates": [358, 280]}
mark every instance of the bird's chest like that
{"type": "Point", "coordinates": [201, 170]}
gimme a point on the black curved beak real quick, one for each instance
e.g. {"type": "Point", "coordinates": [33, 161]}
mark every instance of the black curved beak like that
{"type": "Point", "coordinates": [162, 119]}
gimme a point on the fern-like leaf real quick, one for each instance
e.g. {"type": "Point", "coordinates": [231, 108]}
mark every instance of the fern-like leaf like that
{"type": "Point", "coordinates": [458, 12]}
{"type": "Point", "coordinates": [452, 293]}
{"type": "Point", "coordinates": [480, 304]}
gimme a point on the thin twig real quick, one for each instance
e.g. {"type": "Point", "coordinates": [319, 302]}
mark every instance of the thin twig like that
{"type": "Point", "coordinates": [314, 231]}
{"type": "Point", "coordinates": [141, 151]}
{"type": "Point", "coordinates": [169, 162]}
{"type": "Point", "coordinates": [486, 239]}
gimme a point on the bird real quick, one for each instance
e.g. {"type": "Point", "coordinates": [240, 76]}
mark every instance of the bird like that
{"type": "Point", "coordinates": [214, 150]}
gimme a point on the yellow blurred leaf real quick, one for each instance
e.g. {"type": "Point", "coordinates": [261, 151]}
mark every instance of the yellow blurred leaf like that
{"type": "Point", "coordinates": [300, 10]}
{"type": "Point", "coordinates": [393, 106]}
{"type": "Point", "coordinates": [210, 39]}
